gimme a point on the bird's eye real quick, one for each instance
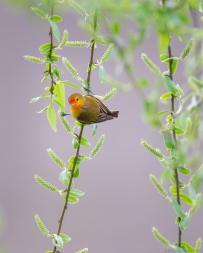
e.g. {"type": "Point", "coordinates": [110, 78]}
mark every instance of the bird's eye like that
{"type": "Point", "coordinates": [77, 99]}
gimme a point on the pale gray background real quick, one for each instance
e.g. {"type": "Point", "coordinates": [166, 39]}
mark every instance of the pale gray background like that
{"type": "Point", "coordinates": [120, 205]}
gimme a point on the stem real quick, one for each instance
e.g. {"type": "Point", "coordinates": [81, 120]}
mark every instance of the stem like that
{"type": "Point", "coordinates": [50, 54]}
{"type": "Point", "coordinates": [79, 139]}
{"type": "Point", "coordinates": [69, 186]}
{"type": "Point", "coordinates": [174, 134]}
{"type": "Point", "coordinates": [92, 51]}
{"type": "Point", "coordinates": [174, 137]}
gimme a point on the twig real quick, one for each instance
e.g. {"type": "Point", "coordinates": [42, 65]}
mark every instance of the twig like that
{"type": "Point", "coordinates": [79, 138]}
{"type": "Point", "coordinates": [50, 55]}
{"type": "Point", "coordinates": [174, 137]}
{"type": "Point", "coordinates": [174, 134]}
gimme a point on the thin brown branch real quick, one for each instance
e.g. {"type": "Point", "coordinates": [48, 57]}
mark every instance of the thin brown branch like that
{"type": "Point", "coordinates": [50, 54]}
{"type": "Point", "coordinates": [79, 138]}
{"type": "Point", "coordinates": [92, 51]}
{"type": "Point", "coordinates": [174, 137]}
{"type": "Point", "coordinates": [174, 134]}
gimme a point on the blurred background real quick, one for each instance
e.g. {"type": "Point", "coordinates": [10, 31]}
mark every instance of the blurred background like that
{"type": "Point", "coordinates": [120, 205]}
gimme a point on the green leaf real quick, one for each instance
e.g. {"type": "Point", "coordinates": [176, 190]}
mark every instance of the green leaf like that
{"type": "Point", "coordinates": [191, 192]}
{"type": "Point", "coordinates": [165, 175]}
{"type": "Point", "coordinates": [43, 110]}
{"type": "Point", "coordinates": [56, 72]}
{"type": "Point", "coordinates": [178, 209]}
{"type": "Point", "coordinates": [178, 249]}
{"type": "Point", "coordinates": [170, 85]}
{"type": "Point", "coordinates": [161, 113]}
{"type": "Point", "coordinates": [65, 238]}
{"type": "Point", "coordinates": [185, 198]}
{"type": "Point", "coordinates": [187, 246]}
{"type": "Point", "coordinates": [76, 193]}
{"type": "Point", "coordinates": [84, 142]}
{"type": "Point", "coordinates": [183, 170]}
{"type": "Point", "coordinates": [33, 100]}
{"type": "Point", "coordinates": [51, 116]}
{"type": "Point", "coordinates": [77, 123]}
{"type": "Point", "coordinates": [142, 82]}
{"type": "Point", "coordinates": [169, 141]}
{"type": "Point", "coordinates": [63, 177]}
{"type": "Point", "coordinates": [75, 143]}
{"type": "Point", "coordinates": [76, 172]}
{"type": "Point", "coordinates": [99, 39]}
{"type": "Point", "coordinates": [173, 190]}
{"type": "Point", "coordinates": [58, 103]}
{"type": "Point", "coordinates": [57, 241]}
{"type": "Point", "coordinates": [71, 199]}
{"type": "Point", "coordinates": [166, 96]}
{"type": "Point", "coordinates": [45, 47]}
{"type": "Point", "coordinates": [163, 57]}
{"type": "Point", "coordinates": [94, 128]}
{"type": "Point", "coordinates": [61, 95]}
{"type": "Point", "coordinates": [174, 66]}
{"type": "Point", "coordinates": [172, 178]}
{"type": "Point", "coordinates": [72, 85]}
{"type": "Point", "coordinates": [180, 106]}
{"type": "Point", "coordinates": [91, 24]}
{"type": "Point", "coordinates": [56, 18]}
{"type": "Point", "coordinates": [163, 41]}
{"type": "Point", "coordinates": [184, 222]}
{"type": "Point", "coordinates": [169, 117]}
{"type": "Point", "coordinates": [179, 131]}
{"type": "Point", "coordinates": [55, 29]}
{"type": "Point", "coordinates": [102, 74]}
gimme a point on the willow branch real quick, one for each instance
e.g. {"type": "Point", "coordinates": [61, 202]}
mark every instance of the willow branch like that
{"type": "Point", "coordinates": [50, 54]}
{"type": "Point", "coordinates": [79, 138]}
{"type": "Point", "coordinates": [175, 139]}
{"type": "Point", "coordinates": [92, 52]}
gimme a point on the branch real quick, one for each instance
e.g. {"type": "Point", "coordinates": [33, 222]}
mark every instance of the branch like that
{"type": "Point", "coordinates": [174, 137]}
{"type": "Point", "coordinates": [79, 138]}
{"type": "Point", "coordinates": [174, 134]}
{"type": "Point", "coordinates": [50, 54]}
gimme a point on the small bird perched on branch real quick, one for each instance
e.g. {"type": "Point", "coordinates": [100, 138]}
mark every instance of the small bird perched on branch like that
{"type": "Point", "coordinates": [89, 109]}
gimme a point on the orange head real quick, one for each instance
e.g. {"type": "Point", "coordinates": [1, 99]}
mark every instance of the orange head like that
{"type": "Point", "coordinates": [76, 102]}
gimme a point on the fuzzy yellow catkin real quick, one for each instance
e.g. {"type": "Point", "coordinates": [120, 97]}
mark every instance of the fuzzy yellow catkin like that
{"type": "Point", "coordinates": [159, 237]}
{"type": "Point", "coordinates": [196, 205]}
{"type": "Point", "coordinates": [64, 39]}
{"type": "Point", "coordinates": [158, 186]}
{"type": "Point", "coordinates": [45, 184]}
{"type": "Point", "coordinates": [41, 226]}
{"type": "Point", "coordinates": [56, 159]}
{"type": "Point", "coordinates": [198, 245]}
{"type": "Point", "coordinates": [151, 65]}
{"type": "Point", "coordinates": [154, 151]}
{"type": "Point", "coordinates": [187, 49]}
{"type": "Point", "coordinates": [70, 67]}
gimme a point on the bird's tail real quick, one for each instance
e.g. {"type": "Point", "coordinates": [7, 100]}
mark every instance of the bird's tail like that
{"type": "Point", "coordinates": [115, 114]}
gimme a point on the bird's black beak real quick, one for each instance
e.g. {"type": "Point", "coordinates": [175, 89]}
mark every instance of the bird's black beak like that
{"type": "Point", "coordinates": [63, 114]}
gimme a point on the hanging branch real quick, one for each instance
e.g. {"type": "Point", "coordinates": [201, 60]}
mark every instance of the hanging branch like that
{"type": "Point", "coordinates": [50, 54]}
{"type": "Point", "coordinates": [80, 134]}
{"type": "Point", "coordinates": [174, 134]}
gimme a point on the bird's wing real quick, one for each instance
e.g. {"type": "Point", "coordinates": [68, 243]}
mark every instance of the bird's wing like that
{"type": "Point", "coordinates": [104, 112]}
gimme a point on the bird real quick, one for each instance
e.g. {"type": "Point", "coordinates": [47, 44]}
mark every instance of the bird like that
{"type": "Point", "coordinates": [89, 109]}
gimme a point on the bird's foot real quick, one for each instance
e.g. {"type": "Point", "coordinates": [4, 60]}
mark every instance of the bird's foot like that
{"type": "Point", "coordinates": [63, 114]}
{"type": "Point", "coordinates": [87, 89]}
